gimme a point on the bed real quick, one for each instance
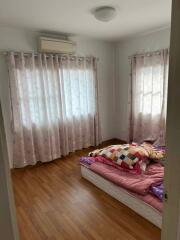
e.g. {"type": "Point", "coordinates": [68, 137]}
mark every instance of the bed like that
{"type": "Point", "coordinates": [143, 209]}
{"type": "Point", "coordinates": [133, 190]}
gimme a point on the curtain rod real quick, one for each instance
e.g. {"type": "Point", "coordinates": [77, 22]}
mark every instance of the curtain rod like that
{"type": "Point", "coordinates": [148, 53]}
{"type": "Point", "coordinates": [48, 54]}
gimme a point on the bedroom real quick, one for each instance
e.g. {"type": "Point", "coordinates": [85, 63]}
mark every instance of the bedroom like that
{"type": "Point", "coordinates": [50, 113]}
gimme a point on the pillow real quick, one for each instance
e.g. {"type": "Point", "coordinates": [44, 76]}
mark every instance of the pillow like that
{"type": "Point", "coordinates": [154, 152]}
{"type": "Point", "coordinates": [128, 156]}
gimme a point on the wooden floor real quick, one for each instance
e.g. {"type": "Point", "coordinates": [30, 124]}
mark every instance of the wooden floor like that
{"type": "Point", "coordinates": [53, 202]}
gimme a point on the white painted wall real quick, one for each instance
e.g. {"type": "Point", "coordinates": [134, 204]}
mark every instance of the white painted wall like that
{"type": "Point", "coordinates": [144, 43]}
{"type": "Point", "coordinates": [22, 40]}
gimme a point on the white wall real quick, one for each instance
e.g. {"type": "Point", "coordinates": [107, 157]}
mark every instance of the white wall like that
{"type": "Point", "coordinates": [22, 40]}
{"type": "Point", "coordinates": [144, 43]}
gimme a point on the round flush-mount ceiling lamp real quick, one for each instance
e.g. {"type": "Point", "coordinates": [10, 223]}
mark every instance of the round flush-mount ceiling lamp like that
{"type": "Point", "coordinates": [105, 13]}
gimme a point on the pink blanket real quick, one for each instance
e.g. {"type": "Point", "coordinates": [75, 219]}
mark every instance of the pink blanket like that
{"type": "Point", "coordinates": [135, 183]}
{"type": "Point", "coordinates": [151, 200]}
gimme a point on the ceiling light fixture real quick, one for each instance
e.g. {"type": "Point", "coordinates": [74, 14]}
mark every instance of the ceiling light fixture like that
{"type": "Point", "coordinates": [105, 13]}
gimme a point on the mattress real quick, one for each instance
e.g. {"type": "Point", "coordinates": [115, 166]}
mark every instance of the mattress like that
{"type": "Point", "coordinates": [122, 195]}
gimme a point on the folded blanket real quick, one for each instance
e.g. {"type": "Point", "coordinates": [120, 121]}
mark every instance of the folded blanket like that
{"type": "Point", "coordinates": [135, 183]}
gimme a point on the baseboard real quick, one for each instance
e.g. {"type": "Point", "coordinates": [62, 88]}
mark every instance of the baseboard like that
{"type": "Point", "coordinates": [112, 141]}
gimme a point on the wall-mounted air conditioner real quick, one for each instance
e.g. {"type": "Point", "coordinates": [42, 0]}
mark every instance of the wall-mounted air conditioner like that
{"type": "Point", "coordinates": [55, 45]}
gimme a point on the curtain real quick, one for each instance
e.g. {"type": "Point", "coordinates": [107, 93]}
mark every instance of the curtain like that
{"type": "Point", "coordinates": [54, 106]}
{"type": "Point", "coordinates": [149, 82]}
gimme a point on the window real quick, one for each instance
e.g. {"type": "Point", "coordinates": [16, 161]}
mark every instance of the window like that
{"type": "Point", "coordinates": [150, 90]}
{"type": "Point", "coordinates": [74, 88]}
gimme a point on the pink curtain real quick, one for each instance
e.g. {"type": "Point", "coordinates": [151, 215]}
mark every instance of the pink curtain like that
{"type": "Point", "coordinates": [54, 106]}
{"type": "Point", "coordinates": [149, 82]}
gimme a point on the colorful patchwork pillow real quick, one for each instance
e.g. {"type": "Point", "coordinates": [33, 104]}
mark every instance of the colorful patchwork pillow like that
{"type": "Point", "coordinates": [129, 156]}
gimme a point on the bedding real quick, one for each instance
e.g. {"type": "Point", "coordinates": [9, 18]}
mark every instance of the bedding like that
{"type": "Point", "coordinates": [136, 168]}
{"type": "Point", "coordinates": [89, 160]}
{"type": "Point", "coordinates": [139, 184]}
{"type": "Point", "coordinates": [151, 200]}
{"type": "Point", "coordinates": [130, 156]}
{"type": "Point", "coordinates": [158, 191]}
{"type": "Point", "coordinates": [150, 209]}
{"type": "Point", "coordinates": [155, 152]}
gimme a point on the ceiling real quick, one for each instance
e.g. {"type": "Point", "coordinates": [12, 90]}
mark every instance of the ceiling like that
{"type": "Point", "coordinates": [74, 16]}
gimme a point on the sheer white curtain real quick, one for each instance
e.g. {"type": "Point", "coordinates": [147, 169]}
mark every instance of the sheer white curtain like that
{"type": "Point", "coordinates": [54, 106]}
{"type": "Point", "coordinates": [149, 96]}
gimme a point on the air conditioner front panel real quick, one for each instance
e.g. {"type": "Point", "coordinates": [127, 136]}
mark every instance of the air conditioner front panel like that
{"type": "Point", "coordinates": [56, 46]}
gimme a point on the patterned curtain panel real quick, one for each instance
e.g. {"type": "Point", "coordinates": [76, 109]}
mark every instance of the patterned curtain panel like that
{"type": "Point", "coordinates": [54, 106]}
{"type": "Point", "coordinates": [149, 84]}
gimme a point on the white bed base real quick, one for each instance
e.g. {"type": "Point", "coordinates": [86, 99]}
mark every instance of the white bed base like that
{"type": "Point", "coordinates": [137, 205]}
